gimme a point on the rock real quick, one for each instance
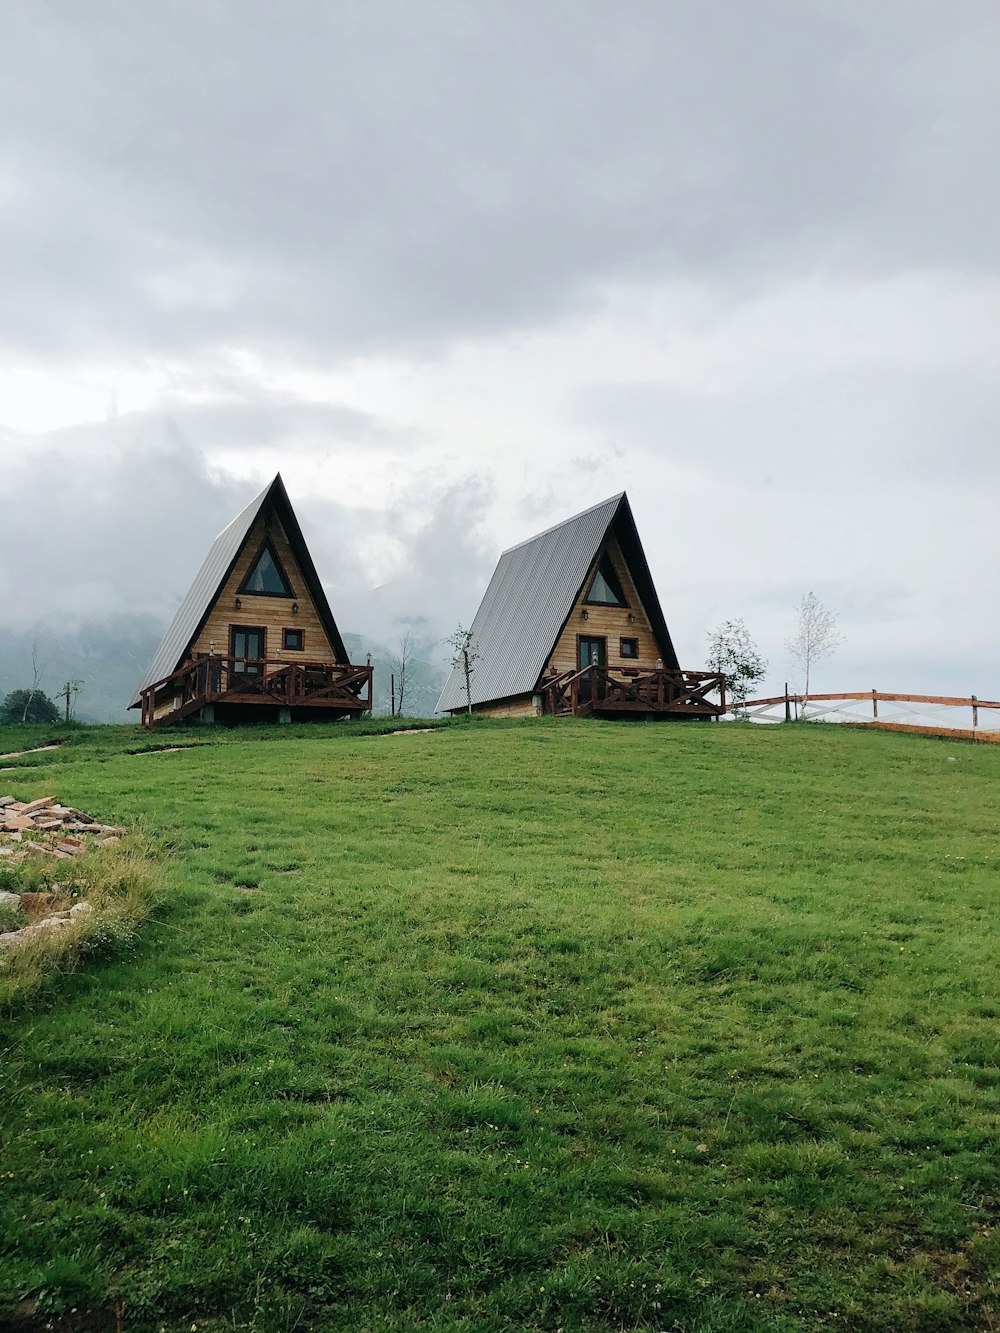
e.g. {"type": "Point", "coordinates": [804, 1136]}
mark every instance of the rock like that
{"type": "Point", "coordinates": [6, 851]}
{"type": "Point", "coordinates": [109, 841]}
{"type": "Point", "coordinates": [10, 899]}
{"type": "Point", "coordinates": [50, 922]}
{"type": "Point", "coordinates": [40, 804]}
{"type": "Point", "coordinates": [80, 909]}
{"type": "Point", "coordinates": [11, 937]}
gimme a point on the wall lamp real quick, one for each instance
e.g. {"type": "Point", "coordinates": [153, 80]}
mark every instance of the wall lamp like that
{"type": "Point", "coordinates": [239, 604]}
{"type": "Point", "coordinates": [586, 614]}
{"type": "Point", "coordinates": [295, 608]}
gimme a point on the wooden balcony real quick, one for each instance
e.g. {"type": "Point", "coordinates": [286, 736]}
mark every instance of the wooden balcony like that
{"type": "Point", "coordinates": [622, 691]}
{"type": "Point", "coordinates": [340, 690]}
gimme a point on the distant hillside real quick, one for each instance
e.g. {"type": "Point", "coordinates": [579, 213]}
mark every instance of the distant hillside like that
{"type": "Point", "coordinates": [109, 658]}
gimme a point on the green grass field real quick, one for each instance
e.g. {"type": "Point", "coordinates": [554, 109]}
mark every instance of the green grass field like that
{"type": "Point", "coordinates": [557, 1025]}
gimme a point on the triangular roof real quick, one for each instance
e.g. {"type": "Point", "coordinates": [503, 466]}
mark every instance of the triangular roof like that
{"type": "Point", "coordinates": [531, 594]}
{"type": "Point", "coordinates": [209, 580]}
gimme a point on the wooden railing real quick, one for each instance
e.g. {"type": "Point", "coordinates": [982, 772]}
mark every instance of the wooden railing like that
{"type": "Point", "coordinates": [243, 680]}
{"type": "Point", "coordinates": [598, 689]}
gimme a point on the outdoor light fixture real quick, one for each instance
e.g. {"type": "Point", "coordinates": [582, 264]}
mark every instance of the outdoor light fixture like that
{"type": "Point", "coordinates": [295, 608]}
{"type": "Point", "coordinates": [586, 614]}
{"type": "Point", "coordinates": [239, 604]}
{"type": "Point", "coordinates": [631, 618]}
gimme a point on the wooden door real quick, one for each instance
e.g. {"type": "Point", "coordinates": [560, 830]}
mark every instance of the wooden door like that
{"type": "Point", "coordinates": [246, 645]}
{"type": "Point", "coordinates": [591, 651]}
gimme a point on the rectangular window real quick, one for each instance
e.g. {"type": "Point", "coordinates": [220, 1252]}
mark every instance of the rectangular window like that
{"type": "Point", "coordinates": [629, 647]}
{"type": "Point", "coordinates": [293, 640]}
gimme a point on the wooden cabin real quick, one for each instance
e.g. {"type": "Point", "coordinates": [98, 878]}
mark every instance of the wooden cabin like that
{"type": "Point", "coordinates": [254, 637]}
{"type": "Point", "coordinates": [571, 625]}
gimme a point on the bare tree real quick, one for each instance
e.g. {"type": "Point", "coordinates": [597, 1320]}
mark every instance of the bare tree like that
{"type": "Point", "coordinates": [37, 673]}
{"type": "Point", "coordinates": [69, 692]}
{"type": "Point", "coordinates": [732, 651]}
{"type": "Point", "coordinates": [464, 658]}
{"type": "Point", "coordinates": [815, 636]}
{"type": "Point", "coordinates": [401, 662]}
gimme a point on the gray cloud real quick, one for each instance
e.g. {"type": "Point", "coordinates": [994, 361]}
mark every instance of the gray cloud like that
{"type": "Point", "coordinates": [804, 190]}
{"type": "Point", "coordinates": [335, 178]}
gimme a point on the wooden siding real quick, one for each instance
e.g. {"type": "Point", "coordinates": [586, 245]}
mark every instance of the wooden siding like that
{"type": "Point", "coordinates": [610, 622]}
{"type": "Point", "coordinates": [519, 705]}
{"type": "Point", "coordinates": [273, 613]}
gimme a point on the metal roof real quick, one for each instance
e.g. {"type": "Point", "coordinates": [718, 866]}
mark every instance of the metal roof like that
{"type": "Point", "coordinates": [531, 594]}
{"type": "Point", "coordinates": [218, 565]}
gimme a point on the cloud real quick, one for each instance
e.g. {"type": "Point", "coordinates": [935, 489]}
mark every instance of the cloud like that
{"type": "Point", "coordinates": [331, 179]}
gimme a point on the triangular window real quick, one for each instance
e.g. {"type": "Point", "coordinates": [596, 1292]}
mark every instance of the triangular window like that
{"type": "Point", "coordinates": [266, 577]}
{"type": "Point", "coordinates": [606, 590]}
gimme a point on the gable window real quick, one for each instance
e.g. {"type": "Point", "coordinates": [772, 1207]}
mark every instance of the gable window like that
{"type": "Point", "coordinates": [266, 577]}
{"type": "Point", "coordinates": [292, 639]}
{"type": "Point", "coordinates": [606, 590]}
{"type": "Point", "coordinates": [628, 647]}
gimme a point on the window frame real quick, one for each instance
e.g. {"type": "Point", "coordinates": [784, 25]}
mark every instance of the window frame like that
{"type": "Point", "coordinates": [606, 566]}
{"type": "Point", "coordinates": [287, 647]}
{"type": "Point", "coordinates": [244, 591]}
{"type": "Point", "coordinates": [634, 641]}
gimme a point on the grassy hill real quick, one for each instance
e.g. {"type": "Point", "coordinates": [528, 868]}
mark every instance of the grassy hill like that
{"type": "Point", "coordinates": [558, 1025]}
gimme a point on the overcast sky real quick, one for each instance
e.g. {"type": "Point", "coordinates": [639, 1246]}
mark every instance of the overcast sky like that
{"type": "Point", "coordinates": [460, 270]}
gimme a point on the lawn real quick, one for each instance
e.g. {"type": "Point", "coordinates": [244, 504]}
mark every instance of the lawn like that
{"type": "Point", "coordinates": [549, 1025]}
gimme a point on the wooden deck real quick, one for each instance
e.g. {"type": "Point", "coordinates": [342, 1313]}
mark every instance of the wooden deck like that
{"type": "Point", "coordinates": [339, 690]}
{"type": "Point", "coordinates": [599, 691]}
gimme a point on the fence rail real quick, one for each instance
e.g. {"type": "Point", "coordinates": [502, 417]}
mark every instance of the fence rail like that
{"type": "Point", "coordinates": [900, 712]}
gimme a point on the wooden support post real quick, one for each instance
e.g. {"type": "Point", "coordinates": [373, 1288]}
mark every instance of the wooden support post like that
{"type": "Point", "coordinates": [392, 699]}
{"type": "Point", "coordinates": [788, 705]}
{"type": "Point", "coordinates": [875, 703]}
{"type": "Point", "coordinates": [975, 713]}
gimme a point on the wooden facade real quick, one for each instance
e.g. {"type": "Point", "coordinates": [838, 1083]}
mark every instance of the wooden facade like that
{"type": "Point", "coordinates": [611, 623]}
{"type": "Point", "coordinates": [255, 637]}
{"type": "Point", "coordinates": [274, 615]}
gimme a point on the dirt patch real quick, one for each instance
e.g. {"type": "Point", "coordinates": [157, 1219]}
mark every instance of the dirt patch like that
{"type": "Point", "coordinates": [35, 749]}
{"type": "Point", "coordinates": [26, 1318]}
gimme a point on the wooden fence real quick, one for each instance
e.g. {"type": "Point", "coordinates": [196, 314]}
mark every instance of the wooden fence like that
{"type": "Point", "coordinates": [861, 708]}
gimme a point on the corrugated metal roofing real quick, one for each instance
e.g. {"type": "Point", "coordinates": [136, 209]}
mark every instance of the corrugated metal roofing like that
{"type": "Point", "coordinates": [532, 593]}
{"type": "Point", "coordinates": [224, 552]}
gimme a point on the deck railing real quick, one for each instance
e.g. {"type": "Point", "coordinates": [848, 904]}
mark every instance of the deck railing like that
{"type": "Point", "coordinates": [256, 681]}
{"type": "Point", "coordinates": [599, 689]}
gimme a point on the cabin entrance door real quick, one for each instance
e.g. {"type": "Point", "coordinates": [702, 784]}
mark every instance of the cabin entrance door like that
{"type": "Point", "coordinates": [246, 646]}
{"type": "Point", "coordinates": [591, 651]}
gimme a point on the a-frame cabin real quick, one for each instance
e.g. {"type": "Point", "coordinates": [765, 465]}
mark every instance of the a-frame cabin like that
{"type": "Point", "coordinates": [255, 636]}
{"type": "Point", "coordinates": [571, 624]}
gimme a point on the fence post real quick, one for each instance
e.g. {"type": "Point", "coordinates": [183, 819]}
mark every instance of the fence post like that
{"type": "Point", "coordinates": [874, 703]}
{"type": "Point", "coordinates": [788, 705]}
{"type": "Point", "coordinates": [975, 712]}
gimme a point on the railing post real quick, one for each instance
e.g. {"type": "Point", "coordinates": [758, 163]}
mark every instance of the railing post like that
{"type": "Point", "coordinates": [874, 703]}
{"type": "Point", "coordinates": [788, 705]}
{"type": "Point", "coordinates": [975, 712]}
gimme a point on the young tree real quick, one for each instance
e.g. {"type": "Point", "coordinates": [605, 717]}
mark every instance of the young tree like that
{"type": "Point", "coordinates": [464, 658]}
{"type": "Point", "coordinates": [732, 651]}
{"type": "Point", "coordinates": [28, 706]}
{"type": "Point", "coordinates": [401, 662]}
{"type": "Point", "coordinates": [815, 636]}
{"type": "Point", "coordinates": [37, 673]}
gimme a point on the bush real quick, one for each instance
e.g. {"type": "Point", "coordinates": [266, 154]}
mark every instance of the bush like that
{"type": "Point", "coordinates": [28, 706]}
